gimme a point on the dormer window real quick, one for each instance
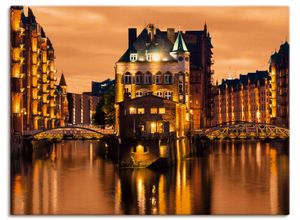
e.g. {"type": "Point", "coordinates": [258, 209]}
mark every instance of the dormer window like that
{"type": "Point", "coordinates": [149, 57]}
{"type": "Point", "coordinates": [133, 57]}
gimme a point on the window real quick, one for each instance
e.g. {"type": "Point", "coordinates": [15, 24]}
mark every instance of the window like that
{"type": "Point", "coordinates": [160, 94]}
{"type": "Point", "coordinates": [132, 110]}
{"type": "Point", "coordinates": [127, 90]}
{"type": "Point", "coordinates": [127, 78]}
{"type": "Point", "coordinates": [148, 78]}
{"type": "Point", "coordinates": [162, 110]}
{"type": "Point", "coordinates": [168, 95]}
{"type": "Point", "coordinates": [133, 57]}
{"type": "Point", "coordinates": [158, 78]}
{"type": "Point", "coordinates": [139, 94]}
{"type": "Point", "coordinates": [153, 111]}
{"type": "Point", "coordinates": [168, 78]}
{"type": "Point", "coordinates": [141, 111]}
{"type": "Point", "coordinates": [138, 78]}
{"type": "Point", "coordinates": [149, 57]}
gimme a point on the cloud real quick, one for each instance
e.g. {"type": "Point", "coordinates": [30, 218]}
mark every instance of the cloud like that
{"type": "Point", "coordinates": [89, 40]}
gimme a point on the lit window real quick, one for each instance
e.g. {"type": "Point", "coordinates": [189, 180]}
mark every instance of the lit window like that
{"type": "Point", "coordinates": [153, 110]}
{"type": "Point", "coordinates": [162, 110]}
{"type": "Point", "coordinates": [168, 95]}
{"type": "Point", "coordinates": [132, 110]}
{"type": "Point", "coordinates": [141, 111]}
{"type": "Point", "coordinates": [133, 57]}
{"type": "Point", "coordinates": [160, 94]}
{"type": "Point", "coordinates": [139, 94]}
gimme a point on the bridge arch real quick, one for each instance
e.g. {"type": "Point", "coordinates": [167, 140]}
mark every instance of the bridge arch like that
{"type": "Point", "coordinates": [75, 132]}
{"type": "Point", "coordinates": [245, 130]}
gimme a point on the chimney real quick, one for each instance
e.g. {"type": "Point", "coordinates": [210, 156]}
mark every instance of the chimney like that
{"type": "Point", "coordinates": [171, 34]}
{"type": "Point", "coordinates": [131, 35]}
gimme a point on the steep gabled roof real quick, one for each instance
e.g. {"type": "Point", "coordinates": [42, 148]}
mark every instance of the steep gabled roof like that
{"type": "Point", "coordinates": [179, 45]}
{"type": "Point", "coordinates": [143, 43]}
{"type": "Point", "coordinates": [62, 81]}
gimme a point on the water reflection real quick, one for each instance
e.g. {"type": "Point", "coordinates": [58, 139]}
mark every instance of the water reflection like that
{"type": "Point", "coordinates": [74, 177]}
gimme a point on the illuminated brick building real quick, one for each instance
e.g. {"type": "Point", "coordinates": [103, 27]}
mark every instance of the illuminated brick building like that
{"type": "Point", "coordinates": [33, 91]}
{"type": "Point", "coordinates": [154, 70]}
{"type": "Point", "coordinates": [62, 114]}
{"type": "Point", "coordinates": [256, 97]}
{"type": "Point", "coordinates": [246, 99]}
{"type": "Point", "coordinates": [82, 107]}
{"type": "Point", "coordinates": [279, 72]}
{"type": "Point", "coordinates": [200, 48]}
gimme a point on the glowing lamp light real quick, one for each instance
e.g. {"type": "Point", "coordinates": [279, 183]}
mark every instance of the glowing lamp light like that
{"type": "Point", "coordinates": [140, 149]}
{"type": "Point", "coordinates": [156, 57]}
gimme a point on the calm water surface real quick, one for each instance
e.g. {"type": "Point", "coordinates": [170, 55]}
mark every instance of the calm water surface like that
{"type": "Point", "coordinates": [75, 177]}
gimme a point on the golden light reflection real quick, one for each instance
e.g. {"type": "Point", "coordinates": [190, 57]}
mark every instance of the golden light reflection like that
{"type": "Point", "coordinates": [162, 195]}
{"type": "Point", "coordinates": [18, 187]}
{"type": "Point", "coordinates": [118, 196]}
{"type": "Point", "coordinates": [183, 193]}
{"type": "Point", "coordinates": [140, 194]}
{"type": "Point", "coordinates": [273, 181]}
{"type": "Point", "coordinates": [258, 155]}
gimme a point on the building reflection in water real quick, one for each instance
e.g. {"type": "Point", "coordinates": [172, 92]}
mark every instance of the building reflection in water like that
{"type": "Point", "coordinates": [74, 177]}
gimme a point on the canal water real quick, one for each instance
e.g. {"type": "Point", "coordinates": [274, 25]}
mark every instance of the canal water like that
{"type": "Point", "coordinates": [76, 177]}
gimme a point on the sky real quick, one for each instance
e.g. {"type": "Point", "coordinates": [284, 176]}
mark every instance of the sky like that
{"type": "Point", "coordinates": [88, 41]}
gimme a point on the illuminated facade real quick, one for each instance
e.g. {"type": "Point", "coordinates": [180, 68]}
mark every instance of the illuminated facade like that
{"type": "Point", "coordinates": [33, 90]}
{"type": "Point", "coordinates": [279, 72]}
{"type": "Point", "coordinates": [246, 99]}
{"type": "Point", "coordinates": [153, 70]}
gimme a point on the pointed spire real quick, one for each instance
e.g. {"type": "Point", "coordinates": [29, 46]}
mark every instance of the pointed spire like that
{"type": "Point", "coordinates": [62, 81]}
{"type": "Point", "coordinates": [179, 45]}
{"type": "Point", "coordinates": [205, 26]}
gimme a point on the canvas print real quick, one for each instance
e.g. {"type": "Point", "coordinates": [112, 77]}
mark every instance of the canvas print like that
{"type": "Point", "coordinates": [149, 110]}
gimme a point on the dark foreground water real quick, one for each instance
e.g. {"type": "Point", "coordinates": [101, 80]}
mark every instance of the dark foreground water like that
{"type": "Point", "coordinates": [74, 177]}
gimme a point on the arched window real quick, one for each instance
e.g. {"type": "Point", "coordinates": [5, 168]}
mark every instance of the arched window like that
{"type": "Point", "coordinates": [139, 78]}
{"type": "Point", "coordinates": [139, 94]}
{"type": "Point", "coordinates": [160, 93]}
{"type": "Point", "coordinates": [133, 57]}
{"type": "Point", "coordinates": [148, 78]}
{"type": "Point", "coordinates": [142, 92]}
{"type": "Point", "coordinates": [158, 78]}
{"type": "Point", "coordinates": [168, 78]}
{"type": "Point", "coordinates": [127, 78]}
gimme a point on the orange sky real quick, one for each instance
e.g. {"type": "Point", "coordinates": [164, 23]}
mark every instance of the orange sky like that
{"type": "Point", "coordinates": [89, 40]}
